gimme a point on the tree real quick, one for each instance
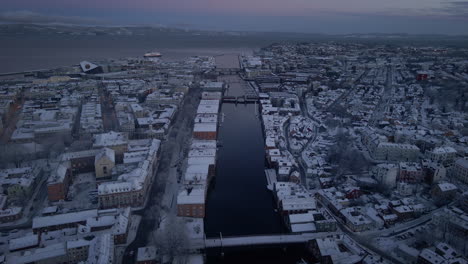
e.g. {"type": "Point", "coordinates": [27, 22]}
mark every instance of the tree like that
{"type": "Point", "coordinates": [13, 153]}
{"type": "Point", "coordinates": [174, 240]}
{"type": "Point", "coordinates": [54, 145]}
{"type": "Point", "coordinates": [347, 158]}
{"type": "Point", "coordinates": [80, 145]}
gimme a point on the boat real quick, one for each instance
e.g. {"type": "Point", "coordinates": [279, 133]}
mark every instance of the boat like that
{"type": "Point", "coordinates": [153, 54]}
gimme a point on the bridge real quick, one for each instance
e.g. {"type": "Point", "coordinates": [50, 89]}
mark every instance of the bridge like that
{"type": "Point", "coordinates": [227, 71]}
{"type": "Point", "coordinates": [242, 241]}
{"type": "Point", "coordinates": [246, 99]}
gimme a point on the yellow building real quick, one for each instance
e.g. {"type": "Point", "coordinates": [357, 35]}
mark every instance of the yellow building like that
{"type": "Point", "coordinates": [104, 162]}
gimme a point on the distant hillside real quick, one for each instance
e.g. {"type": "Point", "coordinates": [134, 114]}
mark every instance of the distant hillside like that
{"type": "Point", "coordinates": [256, 38]}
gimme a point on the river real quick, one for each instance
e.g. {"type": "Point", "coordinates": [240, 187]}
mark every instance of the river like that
{"type": "Point", "coordinates": [238, 201]}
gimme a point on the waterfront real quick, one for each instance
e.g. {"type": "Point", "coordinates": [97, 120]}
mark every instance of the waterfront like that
{"type": "Point", "coordinates": [25, 53]}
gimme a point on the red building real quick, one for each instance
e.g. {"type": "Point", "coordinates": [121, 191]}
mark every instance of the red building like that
{"type": "Point", "coordinates": [410, 172]}
{"type": "Point", "coordinates": [205, 131]}
{"type": "Point", "coordinates": [57, 184]}
{"type": "Point", "coordinates": [352, 192]}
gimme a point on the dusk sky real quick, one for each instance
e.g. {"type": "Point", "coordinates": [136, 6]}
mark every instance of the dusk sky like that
{"type": "Point", "coordinates": [314, 16]}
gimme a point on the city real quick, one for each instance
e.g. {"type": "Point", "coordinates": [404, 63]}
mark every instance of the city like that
{"type": "Point", "coordinates": [172, 132]}
{"type": "Point", "coordinates": [362, 156]}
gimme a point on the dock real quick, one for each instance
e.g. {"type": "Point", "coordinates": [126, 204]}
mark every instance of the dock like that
{"type": "Point", "coordinates": [271, 178]}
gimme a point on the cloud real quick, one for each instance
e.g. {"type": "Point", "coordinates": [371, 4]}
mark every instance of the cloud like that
{"type": "Point", "coordinates": [456, 9]}
{"type": "Point", "coordinates": [30, 17]}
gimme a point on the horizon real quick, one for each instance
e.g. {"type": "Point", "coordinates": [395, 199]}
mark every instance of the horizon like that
{"type": "Point", "coordinates": [162, 26]}
{"type": "Point", "coordinates": [299, 16]}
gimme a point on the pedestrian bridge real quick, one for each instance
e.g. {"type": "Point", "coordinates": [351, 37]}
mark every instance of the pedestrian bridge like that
{"type": "Point", "coordinates": [240, 241]}
{"type": "Point", "coordinates": [240, 99]}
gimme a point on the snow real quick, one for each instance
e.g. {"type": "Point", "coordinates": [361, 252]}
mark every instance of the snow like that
{"type": "Point", "coordinates": [195, 196]}
{"type": "Point", "coordinates": [306, 227]}
{"type": "Point", "coordinates": [205, 127]}
{"type": "Point", "coordinates": [24, 242]}
{"type": "Point", "coordinates": [146, 253]}
{"type": "Point", "coordinates": [301, 218]}
{"type": "Point", "coordinates": [45, 221]}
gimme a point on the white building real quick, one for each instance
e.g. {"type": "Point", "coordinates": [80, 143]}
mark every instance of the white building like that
{"type": "Point", "coordinates": [396, 152]}
{"type": "Point", "coordinates": [386, 174]}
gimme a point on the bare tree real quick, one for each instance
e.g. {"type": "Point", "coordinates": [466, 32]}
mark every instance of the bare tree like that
{"type": "Point", "coordinates": [54, 145]}
{"type": "Point", "coordinates": [13, 154]}
{"type": "Point", "coordinates": [83, 144]}
{"type": "Point", "coordinates": [347, 159]}
{"type": "Point", "coordinates": [174, 240]}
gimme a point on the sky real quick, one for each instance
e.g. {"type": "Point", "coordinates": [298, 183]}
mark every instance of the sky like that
{"type": "Point", "coordinates": [310, 16]}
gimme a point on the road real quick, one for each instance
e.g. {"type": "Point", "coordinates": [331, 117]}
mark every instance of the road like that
{"type": "Point", "coordinates": [109, 117]}
{"type": "Point", "coordinates": [347, 93]}
{"type": "Point", "coordinates": [165, 185]}
{"type": "Point", "coordinates": [384, 99]}
{"type": "Point", "coordinates": [32, 207]}
{"type": "Point", "coordinates": [363, 241]}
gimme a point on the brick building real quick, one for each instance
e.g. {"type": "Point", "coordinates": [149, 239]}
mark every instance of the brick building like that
{"type": "Point", "coordinates": [58, 182]}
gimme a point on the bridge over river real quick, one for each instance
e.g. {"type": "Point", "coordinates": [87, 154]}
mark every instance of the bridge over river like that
{"type": "Point", "coordinates": [242, 241]}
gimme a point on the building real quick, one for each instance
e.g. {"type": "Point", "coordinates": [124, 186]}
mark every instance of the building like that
{"type": "Point", "coordinates": [58, 182]}
{"type": "Point", "coordinates": [396, 152]}
{"type": "Point", "coordinates": [115, 222]}
{"type": "Point", "coordinates": [51, 254]}
{"type": "Point", "coordinates": [410, 172]}
{"type": "Point", "coordinates": [386, 174]}
{"type": "Point", "coordinates": [355, 219]}
{"type": "Point", "coordinates": [57, 222]}
{"type": "Point", "coordinates": [22, 243]}
{"type": "Point", "coordinates": [444, 155]}
{"type": "Point", "coordinates": [213, 86]}
{"type": "Point", "coordinates": [131, 188]}
{"type": "Point", "coordinates": [78, 250]}
{"type": "Point", "coordinates": [10, 214]}
{"type": "Point", "coordinates": [434, 171]}
{"type": "Point", "coordinates": [444, 191]}
{"type": "Point", "coordinates": [331, 250]}
{"type": "Point", "coordinates": [312, 221]}
{"type": "Point", "coordinates": [212, 95]}
{"type": "Point", "coordinates": [81, 161]}
{"type": "Point", "coordinates": [90, 68]}
{"type": "Point", "coordinates": [113, 140]}
{"type": "Point", "coordinates": [460, 170]}
{"type": "Point", "coordinates": [91, 119]}
{"type": "Point", "coordinates": [428, 256]}
{"type": "Point", "coordinates": [205, 131]}
{"type": "Point", "coordinates": [404, 212]}
{"type": "Point", "coordinates": [20, 182]}
{"type": "Point", "coordinates": [191, 202]}
{"type": "Point", "coordinates": [104, 162]}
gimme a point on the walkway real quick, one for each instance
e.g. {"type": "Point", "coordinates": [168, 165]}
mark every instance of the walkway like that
{"type": "Point", "coordinates": [258, 240]}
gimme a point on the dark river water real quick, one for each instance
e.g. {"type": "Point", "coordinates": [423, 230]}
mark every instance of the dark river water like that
{"type": "Point", "coordinates": [238, 201]}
